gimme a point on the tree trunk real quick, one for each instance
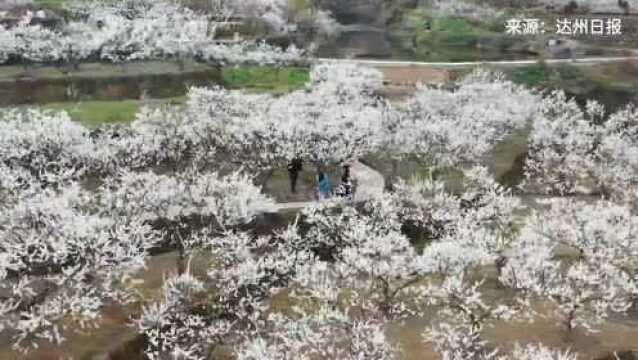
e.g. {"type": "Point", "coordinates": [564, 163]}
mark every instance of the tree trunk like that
{"type": "Point", "coordinates": [569, 321]}
{"type": "Point", "coordinates": [181, 259]}
{"type": "Point", "coordinates": [395, 173]}
{"type": "Point", "coordinates": [264, 178]}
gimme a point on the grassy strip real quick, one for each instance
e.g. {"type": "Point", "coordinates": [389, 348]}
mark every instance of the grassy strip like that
{"type": "Point", "coordinates": [265, 79]}
{"type": "Point", "coordinates": [49, 4]}
{"type": "Point", "coordinates": [95, 113]}
{"type": "Point", "coordinates": [542, 75]}
{"type": "Point", "coordinates": [613, 85]}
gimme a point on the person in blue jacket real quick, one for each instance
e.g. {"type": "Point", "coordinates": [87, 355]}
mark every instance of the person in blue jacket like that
{"type": "Point", "coordinates": [324, 186]}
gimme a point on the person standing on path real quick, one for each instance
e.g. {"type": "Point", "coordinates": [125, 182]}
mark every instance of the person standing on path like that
{"type": "Point", "coordinates": [324, 186]}
{"type": "Point", "coordinates": [294, 167]}
{"type": "Point", "coordinates": [345, 188]}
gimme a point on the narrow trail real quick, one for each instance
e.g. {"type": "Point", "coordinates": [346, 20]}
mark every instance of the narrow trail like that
{"type": "Point", "coordinates": [512, 63]}
{"type": "Point", "coordinates": [369, 183]}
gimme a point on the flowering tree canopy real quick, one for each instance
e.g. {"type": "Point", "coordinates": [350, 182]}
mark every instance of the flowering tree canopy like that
{"type": "Point", "coordinates": [602, 279]}
{"type": "Point", "coordinates": [579, 151]}
{"type": "Point", "coordinates": [48, 145]}
{"type": "Point", "coordinates": [444, 127]}
{"type": "Point", "coordinates": [136, 30]}
{"type": "Point", "coordinates": [81, 211]}
{"type": "Point", "coordinates": [61, 262]}
{"type": "Point", "coordinates": [336, 119]}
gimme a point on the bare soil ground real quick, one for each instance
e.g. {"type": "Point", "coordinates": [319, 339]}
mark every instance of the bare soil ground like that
{"type": "Point", "coordinates": [400, 82]}
{"type": "Point", "coordinates": [413, 75]}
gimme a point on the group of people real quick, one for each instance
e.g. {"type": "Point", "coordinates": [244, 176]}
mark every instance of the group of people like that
{"type": "Point", "coordinates": [324, 188]}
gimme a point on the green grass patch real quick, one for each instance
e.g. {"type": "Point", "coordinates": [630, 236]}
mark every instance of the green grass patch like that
{"type": "Point", "coordinates": [543, 75]}
{"type": "Point", "coordinates": [300, 5]}
{"type": "Point", "coordinates": [95, 113]}
{"type": "Point", "coordinates": [267, 79]}
{"type": "Point", "coordinates": [455, 26]}
{"type": "Point", "coordinates": [50, 4]}
{"type": "Point", "coordinates": [418, 34]}
{"type": "Point", "coordinates": [613, 85]}
{"type": "Point", "coordinates": [532, 75]}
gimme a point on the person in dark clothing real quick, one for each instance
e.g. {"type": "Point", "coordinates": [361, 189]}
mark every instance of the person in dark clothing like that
{"type": "Point", "coordinates": [345, 188]}
{"type": "Point", "coordinates": [346, 173]}
{"type": "Point", "coordinates": [294, 167]}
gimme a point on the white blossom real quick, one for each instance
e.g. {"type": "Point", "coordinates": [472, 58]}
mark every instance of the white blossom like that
{"type": "Point", "coordinates": [138, 30]}
{"type": "Point", "coordinates": [324, 333]}
{"type": "Point", "coordinates": [64, 263]}
{"type": "Point", "coordinates": [602, 277]}
{"type": "Point", "coordinates": [447, 128]}
{"type": "Point", "coordinates": [539, 352]}
{"type": "Point", "coordinates": [231, 200]}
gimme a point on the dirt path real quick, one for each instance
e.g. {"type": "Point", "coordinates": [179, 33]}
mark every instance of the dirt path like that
{"type": "Point", "coordinates": [466, 64]}
{"type": "Point", "coordinates": [369, 182]}
{"type": "Point", "coordinates": [393, 75]}
{"type": "Point", "coordinates": [399, 82]}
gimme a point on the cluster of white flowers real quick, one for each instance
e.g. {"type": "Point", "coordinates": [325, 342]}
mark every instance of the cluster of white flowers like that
{"type": "Point", "coordinates": [136, 30]}
{"type": "Point", "coordinates": [336, 119]}
{"type": "Point", "coordinates": [371, 252]}
{"type": "Point", "coordinates": [591, 5]}
{"type": "Point", "coordinates": [618, 154]}
{"type": "Point", "coordinates": [464, 342]}
{"type": "Point", "coordinates": [67, 252]}
{"type": "Point", "coordinates": [459, 342]}
{"type": "Point", "coordinates": [465, 9]}
{"type": "Point", "coordinates": [331, 121]}
{"type": "Point", "coordinates": [60, 261]}
{"type": "Point", "coordinates": [447, 128]}
{"type": "Point", "coordinates": [230, 201]}
{"type": "Point", "coordinates": [9, 4]}
{"type": "Point", "coordinates": [272, 12]}
{"type": "Point", "coordinates": [322, 333]}
{"type": "Point", "coordinates": [339, 117]}
{"type": "Point", "coordinates": [52, 149]}
{"type": "Point", "coordinates": [539, 352]}
{"type": "Point", "coordinates": [65, 255]}
{"type": "Point", "coordinates": [603, 278]}
{"type": "Point", "coordinates": [48, 145]}
{"type": "Point", "coordinates": [574, 151]}
{"type": "Point", "coordinates": [229, 305]}
{"type": "Point", "coordinates": [174, 328]}
{"type": "Point", "coordinates": [348, 270]}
